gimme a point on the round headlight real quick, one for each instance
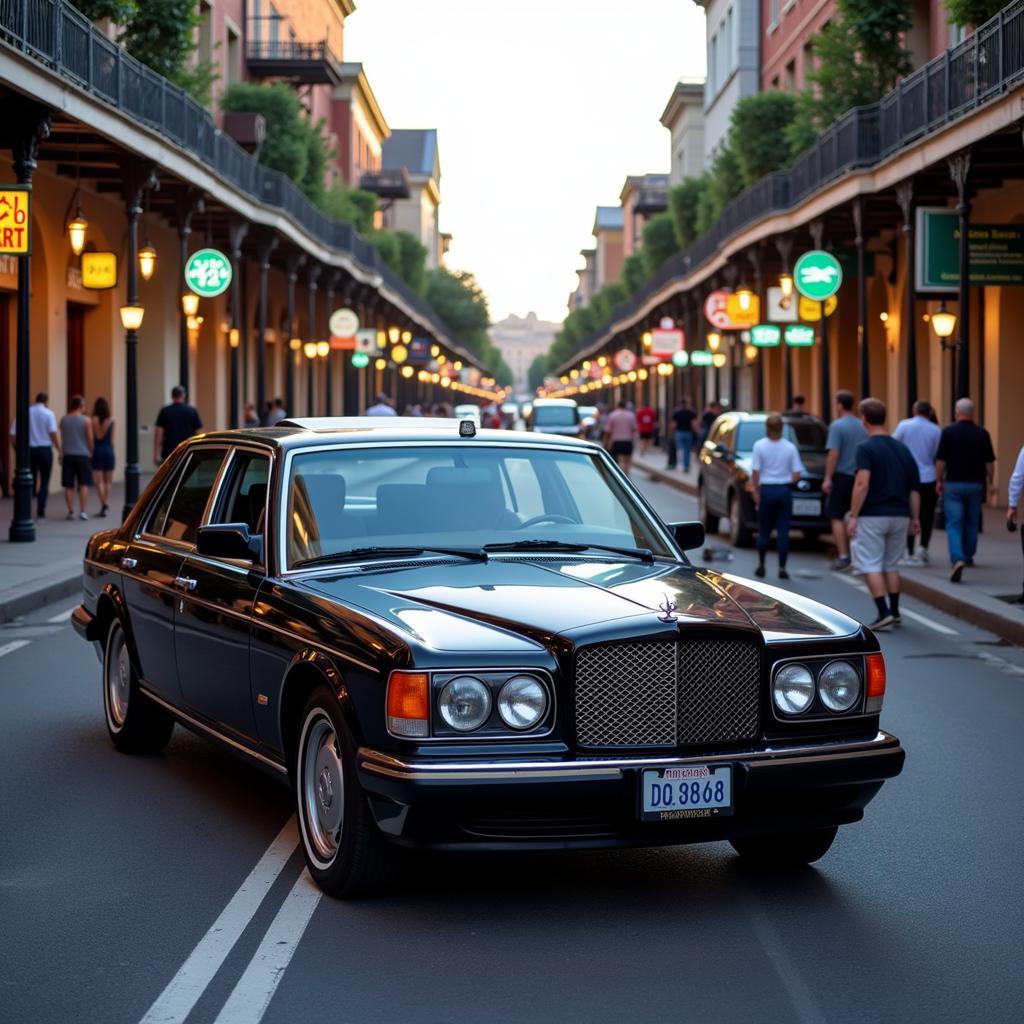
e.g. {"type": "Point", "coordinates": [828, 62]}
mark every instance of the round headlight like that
{"type": "Point", "coordinates": [793, 689]}
{"type": "Point", "coordinates": [839, 686]}
{"type": "Point", "coordinates": [522, 702]}
{"type": "Point", "coordinates": [464, 703]}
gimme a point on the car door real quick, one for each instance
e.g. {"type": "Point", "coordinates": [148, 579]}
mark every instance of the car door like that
{"type": "Point", "coordinates": [211, 635]}
{"type": "Point", "coordinates": [152, 566]}
{"type": "Point", "coordinates": [717, 467]}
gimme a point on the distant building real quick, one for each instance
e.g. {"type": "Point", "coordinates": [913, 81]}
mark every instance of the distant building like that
{"type": "Point", "coordinates": [520, 339]}
{"type": "Point", "coordinates": [358, 124]}
{"type": "Point", "coordinates": [415, 150]}
{"type": "Point", "coordinates": [608, 254]}
{"type": "Point", "coordinates": [684, 119]}
{"type": "Point", "coordinates": [584, 280]}
{"type": "Point", "coordinates": [642, 197]}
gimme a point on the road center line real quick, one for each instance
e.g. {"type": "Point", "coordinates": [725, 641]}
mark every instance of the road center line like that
{"type": "Point", "coordinates": [251, 996]}
{"type": "Point", "coordinates": [182, 993]}
{"type": "Point", "coordinates": [853, 581]}
{"type": "Point", "coordinates": [14, 645]}
{"type": "Point", "coordinates": [60, 616]}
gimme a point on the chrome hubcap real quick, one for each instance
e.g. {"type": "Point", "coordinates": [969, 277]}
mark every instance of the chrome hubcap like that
{"type": "Point", "coordinates": [119, 678]}
{"type": "Point", "coordinates": [323, 786]}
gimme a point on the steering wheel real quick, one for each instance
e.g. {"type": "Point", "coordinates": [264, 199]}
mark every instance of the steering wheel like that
{"type": "Point", "coordinates": [549, 517]}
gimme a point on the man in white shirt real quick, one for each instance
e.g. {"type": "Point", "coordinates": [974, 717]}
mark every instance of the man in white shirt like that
{"type": "Point", "coordinates": [382, 406]}
{"type": "Point", "coordinates": [42, 439]}
{"type": "Point", "coordinates": [921, 435]}
{"type": "Point", "coordinates": [1015, 495]}
{"type": "Point", "coordinates": [776, 467]}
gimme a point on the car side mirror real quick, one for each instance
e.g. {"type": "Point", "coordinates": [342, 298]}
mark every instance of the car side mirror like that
{"type": "Point", "coordinates": [229, 540]}
{"type": "Point", "coordinates": [689, 536]}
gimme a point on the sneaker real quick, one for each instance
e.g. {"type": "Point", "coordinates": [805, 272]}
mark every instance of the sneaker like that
{"type": "Point", "coordinates": [70, 515]}
{"type": "Point", "coordinates": [103, 512]}
{"type": "Point", "coordinates": [759, 572]}
{"type": "Point", "coordinates": [896, 619]}
{"type": "Point", "coordinates": [783, 575]}
{"type": "Point", "coordinates": [841, 564]}
{"type": "Point", "coordinates": [923, 555]}
{"type": "Point", "coordinates": [884, 622]}
{"type": "Point", "coordinates": [910, 562]}
{"type": "Point", "coordinates": [83, 515]}
{"type": "Point", "coordinates": [957, 571]}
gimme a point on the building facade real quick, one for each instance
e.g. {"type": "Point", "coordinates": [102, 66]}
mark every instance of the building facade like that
{"type": "Point", "coordinates": [415, 151]}
{"type": "Point", "coordinates": [609, 246]}
{"type": "Point", "coordinates": [684, 118]}
{"type": "Point", "coordinates": [520, 339]}
{"type": "Point", "coordinates": [642, 197]}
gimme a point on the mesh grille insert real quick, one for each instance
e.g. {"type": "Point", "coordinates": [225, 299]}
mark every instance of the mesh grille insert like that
{"type": "Point", "coordinates": [719, 698]}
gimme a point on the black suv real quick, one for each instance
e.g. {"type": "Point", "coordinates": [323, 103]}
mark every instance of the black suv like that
{"type": "Point", "coordinates": [723, 483]}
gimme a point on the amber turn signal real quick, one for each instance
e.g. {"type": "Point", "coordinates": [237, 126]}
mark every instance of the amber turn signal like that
{"type": "Point", "coordinates": [408, 704]}
{"type": "Point", "coordinates": [876, 683]}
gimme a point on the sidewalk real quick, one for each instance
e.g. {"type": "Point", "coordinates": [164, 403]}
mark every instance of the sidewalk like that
{"type": "Point", "coordinates": [989, 594]}
{"type": "Point", "coordinates": [33, 574]}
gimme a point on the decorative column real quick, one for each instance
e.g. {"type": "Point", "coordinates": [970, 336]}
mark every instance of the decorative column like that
{"type": "Point", "coordinates": [28, 124]}
{"type": "Point", "coordinates": [189, 203]}
{"type": "Point", "coordinates": [237, 231]}
{"type": "Point", "coordinates": [959, 170]}
{"type": "Point", "coordinates": [862, 299]}
{"type": "Point", "coordinates": [756, 257]}
{"type": "Point", "coordinates": [331, 284]}
{"type": "Point", "coordinates": [267, 245]}
{"type": "Point", "coordinates": [784, 244]}
{"type": "Point", "coordinates": [293, 264]}
{"type": "Point", "coordinates": [824, 361]}
{"type": "Point", "coordinates": [313, 276]}
{"type": "Point", "coordinates": [905, 198]}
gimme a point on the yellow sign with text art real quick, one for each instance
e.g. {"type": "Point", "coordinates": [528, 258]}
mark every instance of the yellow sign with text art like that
{"type": "Point", "coordinates": [99, 270]}
{"type": "Point", "coordinates": [15, 220]}
{"type": "Point", "coordinates": [810, 311]}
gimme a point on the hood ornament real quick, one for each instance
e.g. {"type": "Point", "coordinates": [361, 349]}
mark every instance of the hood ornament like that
{"type": "Point", "coordinates": [668, 610]}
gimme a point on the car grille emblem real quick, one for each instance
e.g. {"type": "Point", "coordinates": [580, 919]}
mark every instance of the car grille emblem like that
{"type": "Point", "coordinates": [668, 609]}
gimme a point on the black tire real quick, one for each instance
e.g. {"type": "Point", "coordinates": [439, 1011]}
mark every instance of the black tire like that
{"type": "Point", "coordinates": [789, 849]}
{"type": "Point", "coordinates": [740, 534]}
{"type": "Point", "coordinates": [344, 850]}
{"type": "Point", "coordinates": [708, 518]}
{"type": "Point", "coordinates": [135, 724]}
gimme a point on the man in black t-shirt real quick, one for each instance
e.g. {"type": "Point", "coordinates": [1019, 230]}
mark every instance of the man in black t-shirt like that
{"type": "Point", "coordinates": [174, 423]}
{"type": "Point", "coordinates": [683, 417]}
{"type": "Point", "coordinates": [964, 468]}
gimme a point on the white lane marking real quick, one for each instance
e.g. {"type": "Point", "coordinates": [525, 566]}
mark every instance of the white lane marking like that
{"type": "Point", "coordinates": [14, 645]}
{"type": "Point", "coordinates": [182, 993]}
{"type": "Point", "coordinates": [939, 627]}
{"type": "Point", "coordinates": [61, 616]}
{"type": "Point", "coordinates": [251, 996]}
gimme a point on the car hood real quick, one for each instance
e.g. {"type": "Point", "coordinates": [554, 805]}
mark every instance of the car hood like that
{"type": "Point", "coordinates": [507, 604]}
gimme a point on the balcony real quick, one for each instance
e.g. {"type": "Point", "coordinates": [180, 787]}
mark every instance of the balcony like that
{"type": "Point", "coordinates": [387, 184]}
{"type": "Point", "coordinates": [269, 56]}
{"type": "Point", "coordinates": [650, 201]}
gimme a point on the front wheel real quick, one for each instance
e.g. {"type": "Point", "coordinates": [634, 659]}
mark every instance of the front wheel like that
{"type": "Point", "coordinates": [136, 725]}
{"type": "Point", "coordinates": [344, 850]}
{"type": "Point", "coordinates": [790, 849]}
{"type": "Point", "coordinates": [709, 520]}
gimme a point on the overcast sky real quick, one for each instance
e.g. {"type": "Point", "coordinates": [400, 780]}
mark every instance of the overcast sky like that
{"type": "Point", "coordinates": [542, 107]}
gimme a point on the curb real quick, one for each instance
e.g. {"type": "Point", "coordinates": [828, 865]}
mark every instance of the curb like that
{"type": "Point", "coordinates": [52, 590]}
{"type": "Point", "coordinates": [994, 619]}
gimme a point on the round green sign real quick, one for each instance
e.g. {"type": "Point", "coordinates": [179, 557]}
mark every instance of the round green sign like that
{"type": "Point", "coordinates": [817, 275]}
{"type": "Point", "coordinates": [680, 358]}
{"type": "Point", "coordinates": [360, 359]}
{"type": "Point", "coordinates": [208, 272]}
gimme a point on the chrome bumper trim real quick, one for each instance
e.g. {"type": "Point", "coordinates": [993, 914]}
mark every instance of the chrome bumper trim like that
{"type": "Point", "coordinates": [388, 766]}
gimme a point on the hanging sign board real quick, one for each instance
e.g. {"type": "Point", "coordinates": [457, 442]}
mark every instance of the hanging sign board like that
{"type": "Point", "coordinates": [741, 317]}
{"type": "Point", "coordinates": [208, 273]}
{"type": "Point", "coordinates": [777, 312]}
{"type": "Point", "coordinates": [680, 358]}
{"type": "Point", "coordinates": [799, 335]}
{"type": "Point", "coordinates": [995, 252]}
{"type": "Point", "coordinates": [817, 275]}
{"type": "Point", "coordinates": [624, 360]}
{"type": "Point", "coordinates": [16, 220]}
{"type": "Point", "coordinates": [810, 311]}
{"type": "Point", "coordinates": [701, 358]}
{"type": "Point", "coordinates": [666, 341]}
{"type": "Point", "coordinates": [99, 270]}
{"type": "Point", "coordinates": [343, 323]}
{"type": "Point", "coordinates": [722, 309]}
{"type": "Point", "coordinates": [419, 350]}
{"type": "Point", "coordinates": [765, 335]}
{"type": "Point", "coordinates": [366, 340]}
{"type": "Point", "coordinates": [342, 344]}
{"type": "Point", "coordinates": [360, 360]}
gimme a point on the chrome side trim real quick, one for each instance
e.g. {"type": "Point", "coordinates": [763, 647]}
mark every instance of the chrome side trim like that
{"type": "Point", "coordinates": [308, 642]}
{"type": "Point", "coordinates": [178, 713]}
{"type": "Point", "coordinates": [379, 763]}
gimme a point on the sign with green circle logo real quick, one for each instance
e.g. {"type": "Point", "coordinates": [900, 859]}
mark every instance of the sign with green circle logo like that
{"type": "Point", "coordinates": [765, 335]}
{"type": "Point", "coordinates": [700, 358]}
{"type": "Point", "coordinates": [208, 272]}
{"type": "Point", "coordinates": [799, 335]}
{"type": "Point", "coordinates": [360, 359]}
{"type": "Point", "coordinates": [817, 275]}
{"type": "Point", "coordinates": [680, 358]}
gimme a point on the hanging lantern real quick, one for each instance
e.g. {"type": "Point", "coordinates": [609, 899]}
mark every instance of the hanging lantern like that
{"type": "Point", "coordinates": [77, 227]}
{"type": "Point", "coordinates": [190, 303]}
{"type": "Point", "coordinates": [943, 322]}
{"type": "Point", "coordinates": [147, 261]}
{"type": "Point", "coordinates": [714, 341]}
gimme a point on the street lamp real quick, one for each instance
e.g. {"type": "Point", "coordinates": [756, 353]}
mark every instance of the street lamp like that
{"type": "Point", "coordinates": [76, 232]}
{"type": "Point", "coordinates": [394, 334]}
{"type": "Point", "coordinates": [786, 286]}
{"type": "Point", "coordinates": [714, 341]}
{"type": "Point", "coordinates": [131, 317]}
{"type": "Point", "coordinates": [744, 296]}
{"type": "Point", "coordinates": [234, 337]}
{"type": "Point", "coordinates": [147, 261]}
{"type": "Point", "coordinates": [323, 349]}
{"type": "Point", "coordinates": [944, 324]}
{"type": "Point", "coordinates": [719, 359]}
{"type": "Point", "coordinates": [189, 303]}
{"type": "Point", "coordinates": [309, 350]}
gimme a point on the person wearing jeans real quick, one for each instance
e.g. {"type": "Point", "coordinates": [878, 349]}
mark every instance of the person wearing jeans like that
{"type": "Point", "coordinates": [683, 416]}
{"type": "Point", "coordinates": [776, 466]}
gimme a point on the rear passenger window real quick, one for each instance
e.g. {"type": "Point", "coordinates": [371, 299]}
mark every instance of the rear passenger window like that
{"type": "Point", "coordinates": [246, 492]}
{"type": "Point", "coordinates": [179, 512]}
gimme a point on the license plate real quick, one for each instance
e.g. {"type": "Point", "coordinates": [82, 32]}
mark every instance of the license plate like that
{"type": "Point", "coordinates": [686, 791]}
{"type": "Point", "coordinates": [806, 507]}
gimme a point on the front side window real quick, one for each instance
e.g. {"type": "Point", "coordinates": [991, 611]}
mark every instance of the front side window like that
{"type": "Point", "coordinates": [457, 496]}
{"type": "Point", "coordinates": [179, 512]}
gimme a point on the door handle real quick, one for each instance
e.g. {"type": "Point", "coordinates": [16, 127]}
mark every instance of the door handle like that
{"type": "Point", "coordinates": [129, 563]}
{"type": "Point", "coordinates": [185, 583]}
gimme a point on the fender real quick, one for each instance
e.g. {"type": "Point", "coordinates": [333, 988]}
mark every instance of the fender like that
{"type": "Point", "coordinates": [310, 658]}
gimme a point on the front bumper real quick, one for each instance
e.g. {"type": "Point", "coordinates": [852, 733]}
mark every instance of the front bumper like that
{"type": "Point", "coordinates": [589, 801]}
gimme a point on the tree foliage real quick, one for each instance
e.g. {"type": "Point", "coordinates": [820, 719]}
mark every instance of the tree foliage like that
{"type": "Point", "coordinates": [536, 373]}
{"type": "Point", "coordinates": [660, 241]}
{"type": "Point", "coordinates": [723, 182]}
{"type": "Point", "coordinates": [412, 258]}
{"type": "Point", "coordinates": [118, 11]}
{"type": "Point", "coordinates": [757, 130]}
{"type": "Point", "coordinates": [354, 206]}
{"type": "Point", "coordinates": [973, 12]}
{"type": "Point", "coordinates": [683, 204]}
{"type": "Point", "coordinates": [634, 271]}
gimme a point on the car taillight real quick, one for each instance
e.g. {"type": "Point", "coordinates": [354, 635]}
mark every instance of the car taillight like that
{"type": "Point", "coordinates": [408, 704]}
{"type": "Point", "coordinates": [876, 683]}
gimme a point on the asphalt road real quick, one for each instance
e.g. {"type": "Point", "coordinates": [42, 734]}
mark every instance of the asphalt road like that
{"type": "Point", "coordinates": [124, 882]}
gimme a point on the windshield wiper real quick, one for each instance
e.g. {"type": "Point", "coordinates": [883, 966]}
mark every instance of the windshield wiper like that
{"type": "Point", "coordinates": [379, 551]}
{"type": "Point", "coordinates": [644, 554]}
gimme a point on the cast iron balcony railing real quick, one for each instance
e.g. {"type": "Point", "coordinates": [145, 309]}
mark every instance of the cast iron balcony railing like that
{"type": "Point", "coordinates": [391, 183]}
{"type": "Point", "coordinates": [269, 56]}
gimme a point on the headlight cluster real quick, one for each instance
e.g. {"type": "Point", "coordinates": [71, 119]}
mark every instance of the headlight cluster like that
{"type": "Point", "coordinates": [836, 684]}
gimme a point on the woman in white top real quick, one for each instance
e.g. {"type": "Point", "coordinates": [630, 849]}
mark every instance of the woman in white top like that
{"type": "Point", "coordinates": [776, 467]}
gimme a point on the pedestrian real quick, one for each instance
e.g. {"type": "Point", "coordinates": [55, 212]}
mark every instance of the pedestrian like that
{"type": "Point", "coordinates": [964, 469]}
{"type": "Point", "coordinates": [42, 439]}
{"type": "Point", "coordinates": [277, 412]}
{"type": "Point", "coordinates": [775, 466]}
{"type": "Point", "coordinates": [102, 451]}
{"type": "Point", "coordinates": [707, 419]}
{"type": "Point", "coordinates": [799, 406]}
{"type": "Point", "coordinates": [920, 433]}
{"type": "Point", "coordinates": [683, 416]}
{"type": "Point", "coordinates": [174, 423]}
{"type": "Point", "coordinates": [1016, 492]}
{"type": "Point", "coordinates": [646, 418]}
{"type": "Point", "coordinates": [884, 508]}
{"type": "Point", "coordinates": [76, 442]}
{"type": "Point", "coordinates": [382, 406]}
{"type": "Point", "coordinates": [249, 416]}
{"type": "Point", "coordinates": [620, 431]}
{"type": "Point", "coordinates": [844, 435]}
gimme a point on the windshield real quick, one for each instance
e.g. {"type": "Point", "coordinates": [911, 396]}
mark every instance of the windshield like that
{"type": "Point", "coordinates": [808, 437]}
{"type": "Point", "coordinates": [556, 415]}
{"type": "Point", "coordinates": [457, 496]}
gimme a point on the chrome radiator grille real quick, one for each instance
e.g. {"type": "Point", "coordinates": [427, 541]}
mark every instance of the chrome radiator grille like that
{"type": "Point", "coordinates": [667, 693]}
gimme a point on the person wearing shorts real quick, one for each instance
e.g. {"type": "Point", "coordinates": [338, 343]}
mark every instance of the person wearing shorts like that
{"type": "Point", "coordinates": [620, 431]}
{"type": "Point", "coordinates": [885, 507]}
{"type": "Point", "coordinates": [76, 439]}
{"type": "Point", "coordinates": [844, 434]}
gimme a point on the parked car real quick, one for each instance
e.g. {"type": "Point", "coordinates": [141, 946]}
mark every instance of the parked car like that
{"type": "Point", "coordinates": [443, 638]}
{"type": "Point", "coordinates": [723, 482]}
{"type": "Point", "coordinates": [555, 416]}
{"type": "Point", "coordinates": [588, 421]}
{"type": "Point", "coordinates": [468, 412]}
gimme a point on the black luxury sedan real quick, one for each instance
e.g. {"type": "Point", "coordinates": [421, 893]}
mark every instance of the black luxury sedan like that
{"type": "Point", "coordinates": [442, 637]}
{"type": "Point", "coordinates": [724, 474]}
